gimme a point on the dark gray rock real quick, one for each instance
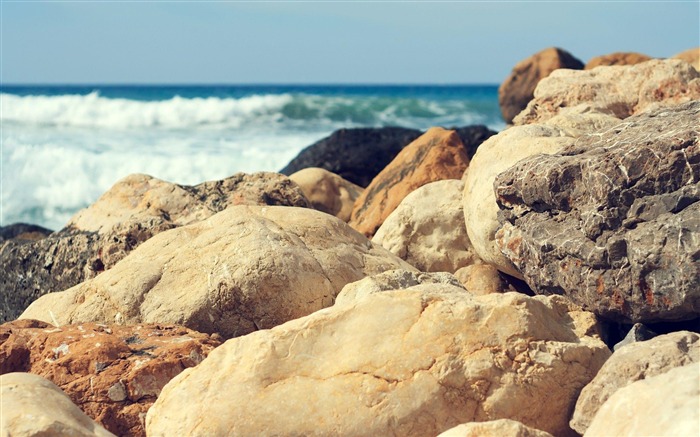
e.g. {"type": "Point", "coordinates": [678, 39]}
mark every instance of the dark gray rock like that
{"type": "Point", "coordinates": [23, 231]}
{"type": "Point", "coordinates": [613, 222]}
{"type": "Point", "coordinates": [638, 332]}
{"type": "Point", "coordinates": [473, 136]}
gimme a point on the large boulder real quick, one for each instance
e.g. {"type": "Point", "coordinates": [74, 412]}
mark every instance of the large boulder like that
{"type": "Point", "coordinates": [612, 221]}
{"type": "Point", "coordinates": [415, 361]}
{"type": "Point", "coordinates": [517, 89]}
{"type": "Point", "coordinates": [617, 58]}
{"type": "Point", "coordinates": [243, 269]}
{"type": "Point", "coordinates": [327, 191]}
{"type": "Point", "coordinates": [691, 56]}
{"type": "Point", "coordinates": [664, 405]}
{"type": "Point", "coordinates": [632, 363]}
{"type": "Point", "coordinates": [620, 91]}
{"type": "Point", "coordinates": [356, 155]}
{"type": "Point", "coordinates": [113, 373]}
{"type": "Point", "coordinates": [438, 154]}
{"type": "Point", "coordinates": [472, 136]}
{"type": "Point", "coordinates": [132, 211]}
{"type": "Point", "coordinates": [494, 428]}
{"type": "Point", "coordinates": [427, 229]}
{"type": "Point", "coordinates": [33, 406]}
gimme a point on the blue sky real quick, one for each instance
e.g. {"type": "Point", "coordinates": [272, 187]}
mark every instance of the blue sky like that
{"type": "Point", "coordinates": [322, 42]}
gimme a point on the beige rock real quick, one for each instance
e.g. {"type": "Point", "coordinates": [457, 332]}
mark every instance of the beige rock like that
{"type": "Point", "coordinates": [691, 56]}
{"type": "Point", "coordinates": [495, 155]}
{"type": "Point", "coordinates": [582, 119]}
{"type": "Point", "coordinates": [33, 406]}
{"type": "Point", "coordinates": [436, 155]}
{"type": "Point", "coordinates": [245, 268]}
{"type": "Point", "coordinates": [494, 428]}
{"type": "Point", "coordinates": [403, 362]}
{"type": "Point", "coordinates": [481, 279]}
{"type": "Point", "coordinates": [427, 229]}
{"type": "Point", "coordinates": [663, 405]}
{"type": "Point", "coordinates": [620, 91]}
{"type": "Point", "coordinates": [631, 363]}
{"type": "Point", "coordinates": [617, 58]}
{"type": "Point", "coordinates": [327, 191]}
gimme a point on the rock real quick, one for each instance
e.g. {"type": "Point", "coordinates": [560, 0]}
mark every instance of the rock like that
{"type": "Point", "coordinates": [243, 269]}
{"type": "Point", "coordinates": [472, 136]}
{"type": "Point", "coordinates": [495, 155]}
{"type": "Point", "coordinates": [613, 221]}
{"type": "Point", "coordinates": [327, 191]}
{"type": "Point", "coordinates": [113, 373]}
{"type": "Point", "coordinates": [402, 362]}
{"type": "Point", "coordinates": [23, 232]}
{"type": "Point", "coordinates": [663, 405]}
{"type": "Point", "coordinates": [481, 279]}
{"type": "Point", "coordinates": [494, 428]}
{"type": "Point", "coordinates": [691, 56]}
{"type": "Point", "coordinates": [617, 58]}
{"type": "Point", "coordinates": [356, 155]}
{"type": "Point", "coordinates": [634, 362]}
{"type": "Point", "coordinates": [436, 155]}
{"type": "Point", "coordinates": [32, 406]}
{"type": "Point", "coordinates": [637, 333]}
{"type": "Point", "coordinates": [620, 91]}
{"type": "Point", "coordinates": [427, 229]}
{"type": "Point", "coordinates": [132, 211]}
{"type": "Point", "coordinates": [517, 90]}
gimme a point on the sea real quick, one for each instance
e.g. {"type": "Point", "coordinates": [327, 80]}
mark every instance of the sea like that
{"type": "Point", "coordinates": [63, 146]}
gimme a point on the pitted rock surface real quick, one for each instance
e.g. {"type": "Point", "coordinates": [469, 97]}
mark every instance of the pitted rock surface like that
{"type": "Point", "coordinates": [113, 373]}
{"type": "Point", "coordinates": [613, 221]}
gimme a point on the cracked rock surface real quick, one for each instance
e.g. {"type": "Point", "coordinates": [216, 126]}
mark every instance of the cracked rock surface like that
{"type": "Point", "coordinates": [243, 269]}
{"type": "Point", "coordinates": [406, 362]}
{"type": "Point", "coordinates": [612, 221]}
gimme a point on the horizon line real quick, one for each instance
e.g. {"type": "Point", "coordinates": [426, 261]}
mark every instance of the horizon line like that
{"type": "Point", "coordinates": [247, 84]}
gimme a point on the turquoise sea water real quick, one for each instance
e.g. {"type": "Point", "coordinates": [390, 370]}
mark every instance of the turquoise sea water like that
{"type": "Point", "coordinates": [63, 146]}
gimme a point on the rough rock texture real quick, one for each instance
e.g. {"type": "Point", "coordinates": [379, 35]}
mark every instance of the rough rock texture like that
{"type": "Point", "coordinates": [356, 155]}
{"type": "Point", "coordinates": [327, 191]}
{"type": "Point", "coordinates": [23, 232]}
{"type": "Point", "coordinates": [495, 155]}
{"type": "Point", "coordinates": [481, 279]}
{"type": "Point", "coordinates": [517, 90]}
{"type": "Point", "coordinates": [613, 222]}
{"type": "Point", "coordinates": [397, 362]}
{"type": "Point", "coordinates": [638, 332]}
{"type": "Point", "coordinates": [246, 268]}
{"type": "Point", "coordinates": [427, 229]}
{"type": "Point", "coordinates": [632, 363]}
{"type": "Point", "coordinates": [132, 211]}
{"type": "Point", "coordinates": [472, 136]}
{"type": "Point", "coordinates": [494, 428]}
{"type": "Point", "coordinates": [438, 154]}
{"type": "Point", "coordinates": [691, 56]}
{"type": "Point", "coordinates": [113, 373]}
{"type": "Point", "coordinates": [33, 406]}
{"type": "Point", "coordinates": [617, 58]}
{"type": "Point", "coordinates": [620, 91]}
{"type": "Point", "coordinates": [663, 405]}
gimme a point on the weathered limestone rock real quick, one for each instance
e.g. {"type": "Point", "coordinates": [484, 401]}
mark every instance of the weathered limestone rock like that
{"type": "Point", "coordinates": [327, 191]}
{"type": "Point", "coordinates": [632, 363]}
{"type": "Point", "coordinates": [132, 211]}
{"type": "Point", "coordinates": [663, 405]}
{"type": "Point", "coordinates": [24, 232]}
{"type": "Point", "coordinates": [517, 90]}
{"type": "Point", "coordinates": [495, 155]}
{"type": "Point", "coordinates": [33, 406]}
{"type": "Point", "coordinates": [113, 373]}
{"type": "Point", "coordinates": [691, 56]}
{"type": "Point", "coordinates": [398, 362]}
{"type": "Point", "coordinates": [243, 269]}
{"type": "Point", "coordinates": [438, 154]}
{"type": "Point", "coordinates": [494, 428]}
{"type": "Point", "coordinates": [356, 155]}
{"type": "Point", "coordinates": [617, 58]}
{"type": "Point", "coordinates": [613, 222]}
{"type": "Point", "coordinates": [620, 91]}
{"type": "Point", "coordinates": [481, 279]}
{"type": "Point", "coordinates": [427, 229]}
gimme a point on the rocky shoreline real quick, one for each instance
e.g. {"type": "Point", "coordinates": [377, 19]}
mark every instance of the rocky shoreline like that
{"type": "Point", "coordinates": [544, 280]}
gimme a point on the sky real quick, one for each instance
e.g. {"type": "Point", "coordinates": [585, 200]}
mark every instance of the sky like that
{"type": "Point", "coordinates": [317, 42]}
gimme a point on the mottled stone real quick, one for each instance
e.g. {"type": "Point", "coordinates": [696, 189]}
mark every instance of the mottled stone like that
{"type": "Point", "coordinates": [613, 221]}
{"type": "Point", "coordinates": [327, 191]}
{"type": "Point", "coordinates": [24, 232]}
{"type": "Point", "coordinates": [494, 428]}
{"type": "Point", "coordinates": [691, 56]}
{"type": "Point", "coordinates": [617, 58]}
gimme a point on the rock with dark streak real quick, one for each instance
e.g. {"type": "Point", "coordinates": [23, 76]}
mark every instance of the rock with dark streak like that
{"type": "Point", "coordinates": [23, 232]}
{"type": "Point", "coordinates": [613, 221]}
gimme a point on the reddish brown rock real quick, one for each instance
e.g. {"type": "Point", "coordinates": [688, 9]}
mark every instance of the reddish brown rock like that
{"type": "Point", "coordinates": [617, 58]}
{"type": "Point", "coordinates": [436, 155]}
{"type": "Point", "coordinates": [113, 373]}
{"type": "Point", "coordinates": [517, 90]}
{"type": "Point", "coordinates": [691, 56]}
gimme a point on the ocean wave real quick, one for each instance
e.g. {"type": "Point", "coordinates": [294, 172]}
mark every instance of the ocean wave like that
{"type": "Point", "coordinates": [271, 111]}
